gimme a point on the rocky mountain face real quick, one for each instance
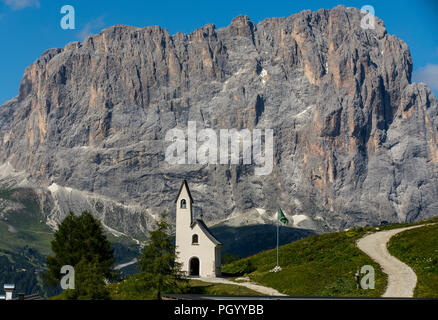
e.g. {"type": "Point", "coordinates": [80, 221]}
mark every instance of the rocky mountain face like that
{"type": "Point", "coordinates": [355, 142]}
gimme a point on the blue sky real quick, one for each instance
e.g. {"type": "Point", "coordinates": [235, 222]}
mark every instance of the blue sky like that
{"type": "Point", "coordinates": [28, 27]}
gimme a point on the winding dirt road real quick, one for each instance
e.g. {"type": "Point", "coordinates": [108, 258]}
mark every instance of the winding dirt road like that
{"type": "Point", "coordinates": [401, 278]}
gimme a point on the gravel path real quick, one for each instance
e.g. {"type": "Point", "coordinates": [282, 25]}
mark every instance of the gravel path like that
{"type": "Point", "coordinates": [256, 287]}
{"type": "Point", "coordinates": [401, 278]}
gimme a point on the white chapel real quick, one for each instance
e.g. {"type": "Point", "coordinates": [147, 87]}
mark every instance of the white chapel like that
{"type": "Point", "coordinates": [198, 250]}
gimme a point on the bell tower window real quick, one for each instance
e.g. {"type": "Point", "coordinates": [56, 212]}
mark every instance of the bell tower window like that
{"type": "Point", "coordinates": [195, 239]}
{"type": "Point", "coordinates": [183, 204]}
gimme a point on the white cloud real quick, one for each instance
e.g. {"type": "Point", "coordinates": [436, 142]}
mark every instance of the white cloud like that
{"type": "Point", "coordinates": [21, 4]}
{"type": "Point", "coordinates": [428, 75]}
{"type": "Point", "coordinates": [90, 28]}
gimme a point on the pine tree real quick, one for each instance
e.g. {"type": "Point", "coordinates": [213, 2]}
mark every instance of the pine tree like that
{"type": "Point", "coordinates": [80, 242]}
{"type": "Point", "coordinates": [89, 282]}
{"type": "Point", "coordinates": [158, 260]}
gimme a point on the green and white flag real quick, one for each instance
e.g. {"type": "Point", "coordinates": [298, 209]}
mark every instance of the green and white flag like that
{"type": "Point", "coordinates": [281, 217]}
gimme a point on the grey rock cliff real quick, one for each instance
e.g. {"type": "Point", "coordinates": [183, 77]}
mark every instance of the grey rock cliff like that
{"type": "Point", "coordinates": [355, 142]}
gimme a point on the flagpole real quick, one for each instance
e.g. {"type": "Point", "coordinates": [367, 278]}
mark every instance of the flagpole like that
{"type": "Point", "coordinates": [278, 225]}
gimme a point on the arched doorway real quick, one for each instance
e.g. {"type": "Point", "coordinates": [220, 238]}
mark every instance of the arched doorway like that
{"type": "Point", "coordinates": [194, 266]}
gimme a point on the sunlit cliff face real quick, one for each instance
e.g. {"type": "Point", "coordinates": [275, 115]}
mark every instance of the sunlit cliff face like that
{"type": "Point", "coordinates": [354, 141]}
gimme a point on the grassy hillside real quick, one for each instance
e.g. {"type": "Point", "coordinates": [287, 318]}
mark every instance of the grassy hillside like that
{"type": "Point", "coordinates": [24, 226]}
{"type": "Point", "coordinates": [320, 265]}
{"type": "Point", "coordinates": [418, 248]}
{"type": "Point", "coordinates": [23, 268]}
{"type": "Point", "coordinates": [24, 242]}
{"type": "Point", "coordinates": [134, 288]}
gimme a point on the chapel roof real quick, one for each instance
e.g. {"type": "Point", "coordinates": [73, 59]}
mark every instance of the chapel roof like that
{"type": "Point", "coordinates": [206, 231]}
{"type": "Point", "coordinates": [184, 183]}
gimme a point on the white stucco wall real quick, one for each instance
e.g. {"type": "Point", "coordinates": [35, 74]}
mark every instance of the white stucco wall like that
{"type": "Point", "coordinates": [206, 251]}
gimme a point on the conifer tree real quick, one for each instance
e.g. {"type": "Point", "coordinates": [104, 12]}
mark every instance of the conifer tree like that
{"type": "Point", "coordinates": [80, 242]}
{"type": "Point", "coordinates": [158, 260]}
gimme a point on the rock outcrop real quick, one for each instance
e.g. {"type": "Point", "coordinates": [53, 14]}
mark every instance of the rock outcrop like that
{"type": "Point", "coordinates": [355, 142]}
